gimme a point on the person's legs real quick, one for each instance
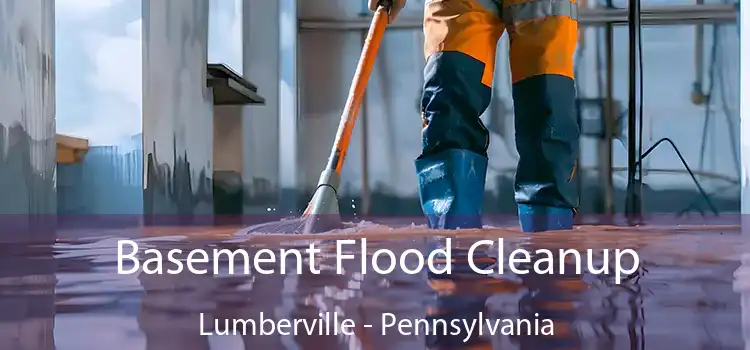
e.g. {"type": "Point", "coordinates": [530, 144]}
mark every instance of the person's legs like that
{"type": "Point", "coordinates": [460, 43]}
{"type": "Point", "coordinates": [543, 36]}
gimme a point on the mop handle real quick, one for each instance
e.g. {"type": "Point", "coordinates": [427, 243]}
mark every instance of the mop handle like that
{"type": "Point", "coordinates": [357, 89]}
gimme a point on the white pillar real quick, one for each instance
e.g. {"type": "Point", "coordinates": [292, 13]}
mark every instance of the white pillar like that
{"type": "Point", "coordinates": [27, 111]}
{"type": "Point", "coordinates": [177, 110]}
{"type": "Point", "coordinates": [269, 61]}
{"type": "Point", "coordinates": [260, 63]}
{"type": "Point", "coordinates": [742, 279]}
{"type": "Point", "coordinates": [744, 24]}
{"type": "Point", "coordinates": [288, 107]}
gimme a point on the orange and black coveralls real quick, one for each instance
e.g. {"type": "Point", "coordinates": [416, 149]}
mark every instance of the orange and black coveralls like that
{"type": "Point", "coordinates": [460, 45]}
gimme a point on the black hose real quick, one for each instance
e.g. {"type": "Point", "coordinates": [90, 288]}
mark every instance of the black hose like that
{"type": "Point", "coordinates": [633, 208]}
{"type": "Point", "coordinates": [687, 168]}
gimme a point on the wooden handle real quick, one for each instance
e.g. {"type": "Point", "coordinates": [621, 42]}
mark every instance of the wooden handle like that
{"type": "Point", "coordinates": [357, 89]}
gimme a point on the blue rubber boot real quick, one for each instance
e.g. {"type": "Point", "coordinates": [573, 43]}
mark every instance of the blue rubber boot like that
{"type": "Point", "coordinates": [537, 218]}
{"type": "Point", "coordinates": [451, 188]}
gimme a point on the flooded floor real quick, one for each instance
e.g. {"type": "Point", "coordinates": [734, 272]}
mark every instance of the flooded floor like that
{"type": "Point", "coordinates": [69, 296]}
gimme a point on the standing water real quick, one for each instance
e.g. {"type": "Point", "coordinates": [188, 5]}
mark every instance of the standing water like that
{"type": "Point", "coordinates": [70, 296]}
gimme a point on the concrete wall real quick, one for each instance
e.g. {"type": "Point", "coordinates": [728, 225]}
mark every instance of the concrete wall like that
{"type": "Point", "coordinates": [27, 168]}
{"type": "Point", "coordinates": [745, 104]}
{"type": "Point", "coordinates": [228, 153]}
{"type": "Point", "coordinates": [227, 127]}
{"type": "Point", "coordinates": [289, 126]}
{"type": "Point", "coordinates": [27, 107]}
{"type": "Point", "coordinates": [742, 281]}
{"type": "Point", "coordinates": [177, 108]}
{"type": "Point", "coordinates": [260, 30]}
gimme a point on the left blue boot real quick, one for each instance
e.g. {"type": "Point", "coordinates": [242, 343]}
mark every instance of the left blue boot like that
{"type": "Point", "coordinates": [537, 218]}
{"type": "Point", "coordinates": [451, 188]}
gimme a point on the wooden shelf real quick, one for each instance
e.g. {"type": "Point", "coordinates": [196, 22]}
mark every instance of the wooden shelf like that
{"type": "Point", "coordinates": [71, 150]}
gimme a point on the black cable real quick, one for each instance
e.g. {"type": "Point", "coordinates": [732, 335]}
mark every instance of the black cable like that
{"type": "Point", "coordinates": [633, 208]}
{"type": "Point", "coordinates": [640, 92]}
{"type": "Point", "coordinates": [687, 167]}
{"type": "Point", "coordinates": [635, 117]}
{"type": "Point", "coordinates": [694, 204]}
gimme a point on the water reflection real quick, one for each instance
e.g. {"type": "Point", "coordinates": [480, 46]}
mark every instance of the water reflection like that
{"type": "Point", "coordinates": [171, 306]}
{"type": "Point", "coordinates": [27, 297]}
{"type": "Point", "coordinates": [528, 311]}
{"type": "Point", "coordinates": [552, 296]}
{"type": "Point", "coordinates": [742, 283]}
{"type": "Point", "coordinates": [685, 300]}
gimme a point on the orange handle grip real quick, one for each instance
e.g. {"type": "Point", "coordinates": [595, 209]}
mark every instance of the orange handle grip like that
{"type": "Point", "coordinates": [357, 89]}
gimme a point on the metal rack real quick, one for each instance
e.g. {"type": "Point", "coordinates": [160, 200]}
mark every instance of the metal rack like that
{"type": "Point", "coordinates": [652, 15]}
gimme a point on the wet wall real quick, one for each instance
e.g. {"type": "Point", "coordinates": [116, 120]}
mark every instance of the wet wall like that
{"type": "Point", "coordinates": [27, 112]}
{"type": "Point", "coordinates": [225, 42]}
{"type": "Point", "coordinates": [289, 126]}
{"type": "Point", "coordinates": [744, 37]}
{"type": "Point", "coordinates": [27, 173]}
{"type": "Point", "coordinates": [261, 134]}
{"type": "Point", "coordinates": [228, 189]}
{"type": "Point", "coordinates": [742, 275]}
{"type": "Point", "coordinates": [177, 111]}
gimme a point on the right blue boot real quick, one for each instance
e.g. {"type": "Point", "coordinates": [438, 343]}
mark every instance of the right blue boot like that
{"type": "Point", "coordinates": [451, 188]}
{"type": "Point", "coordinates": [539, 218]}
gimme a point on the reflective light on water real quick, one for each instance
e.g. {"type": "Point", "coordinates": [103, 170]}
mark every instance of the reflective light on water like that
{"type": "Point", "coordinates": [686, 295]}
